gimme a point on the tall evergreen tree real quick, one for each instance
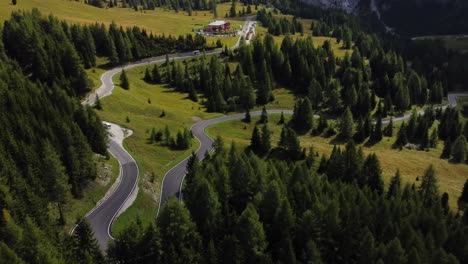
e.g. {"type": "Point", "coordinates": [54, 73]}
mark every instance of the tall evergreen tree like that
{"type": "Point", "coordinates": [388, 131]}
{"type": "Point", "coordinates": [346, 126]}
{"type": "Point", "coordinates": [459, 150]}
{"type": "Point", "coordinates": [264, 116]}
{"type": "Point", "coordinates": [402, 138]}
{"type": "Point", "coordinates": [256, 141]}
{"type": "Point", "coordinates": [372, 173]}
{"type": "Point", "coordinates": [155, 74]}
{"type": "Point", "coordinates": [394, 190]}
{"type": "Point", "coordinates": [463, 199]}
{"type": "Point", "coordinates": [447, 149]}
{"type": "Point", "coordinates": [181, 243]}
{"type": "Point", "coordinates": [266, 140]}
{"type": "Point", "coordinates": [251, 235]}
{"type": "Point", "coordinates": [86, 248]}
{"type": "Point", "coordinates": [247, 118]}
{"type": "Point", "coordinates": [428, 188]}
{"type": "Point", "coordinates": [56, 180]}
{"type": "Point", "coordinates": [124, 80]}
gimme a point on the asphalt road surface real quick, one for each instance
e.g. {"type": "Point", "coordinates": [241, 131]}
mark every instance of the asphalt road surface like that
{"type": "Point", "coordinates": [103, 215]}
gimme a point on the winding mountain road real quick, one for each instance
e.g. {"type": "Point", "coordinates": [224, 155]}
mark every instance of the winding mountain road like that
{"type": "Point", "coordinates": [103, 215]}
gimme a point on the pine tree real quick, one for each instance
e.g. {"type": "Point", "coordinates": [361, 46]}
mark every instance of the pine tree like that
{"type": "Point", "coordinates": [402, 138]}
{"type": "Point", "coordinates": [388, 131]}
{"type": "Point", "coordinates": [447, 149]}
{"type": "Point", "coordinates": [434, 138]}
{"type": "Point", "coordinates": [85, 245]}
{"type": "Point", "coordinates": [281, 121]}
{"type": "Point", "coordinates": [394, 190]}
{"type": "Point", "coordinates": [181, 243]}
{"type": "Point", "coordinates": [214, 7]}
{"type": "Point", "coordinates": [444, 202]}
{"type": "Point", "coordinates": [264, 116]}
{"type": "Point", "coordinates": [265, 140]}
{"type": "Point", "coordinates": [394, 253]}
{"type": "Point", "coordinates": [124, 80]}
{"type": "Point", "coordinates": [232, 10]}
{"type": "Point", "coordinates": [290, 142]}
{"type": "Point", "coordinates": [167, 136]}
{"type": "Point", "coordinates": [156, 75]}
{"type": "Point", "coordinates": [302, 119]}
{"type": "Point", "coordinates": [428, 188]}
{"type": "Point", "coordinates": [376, 135]}
{"type": "Point", "coordinates": [247, 119]}
{"type": "Point", "coordinates": [463, 199]}
{"type": "Point", "coordinates": [256, 141]}
{"type": "Point", "coordinates": [346, 128]}
{"type": "Point", "coordinates": [251, 235]}
{"type": "Point", "coordinates": [147, 78]}
{"type": "Point", "coordinates": [372, 173]}
{"type": "Point", "coordinates": [459, 150]}
{"type": "Point", "coordinates": [98, 105]}
{"type": "Point", "coordinates": [56, 182]}
{"type": "Point", "coordinates": [205, 208]}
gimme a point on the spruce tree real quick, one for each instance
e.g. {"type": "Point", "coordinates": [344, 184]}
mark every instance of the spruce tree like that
{"type": "Point", "coordinates": [56, 182]}
{"type": "Point", "coordinates": [265, 140]}
{"type": "Point", "coordinates": [428, 188]}
{"type": "Point", "coordinates": [124, 80]}
{"type": "Point", "coordinates": [394, 190]}
{"type": "Point", "coordinates": [251, 235]}
{"type": "Point", "coordinates": [247, 119]}
{"type": "Point", "coordinates": [264, 116]}
{"type": "Point", "coordinates": [388, 131]}
{"type": "Point", "coordinates": [346, 127]}
{"type": "Point", "coordinates": [181, 243]}
{"type": "Point", "coordinates": [459, 150]}
{"type": "Point", "coordinates": [256, 141]}
{"type": "Point", "coordinates": [394, 253]}
{"type": "Point", "coordinates": [86, 247]}
{"type": "Point", "coordinates": [434, 138]}
{"type": "Point", "coordinates": [281, 121]}
{"type": "Point", "coordinates": [205, 208]}
{"type": "Point", "coordinates": [98, 105]}
{"type": "Point", "coordinates": [376, 135]}
{"type": "Point", "coordinates": [444, 202]}
{"type": "Point", "coordinates": [156, 75]}
{"type": "Point", "coordinates": [402, 138]}
{"type": "Point", "coordinates": [447, 149]}
{"type": "Point", "coordinates": [214, 8]}
{"type": "Point", "coordinates": [463, 199]}
{"type": "Point", "coordinates": [147, 78]}
{"type": "Point", "coordinates": [372, 173]}
{"type": "Point", "coordinates": [232, 10]}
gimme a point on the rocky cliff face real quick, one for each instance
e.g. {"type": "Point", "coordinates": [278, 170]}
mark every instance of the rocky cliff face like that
{"type": "Point", "coordinates": [348, 5]}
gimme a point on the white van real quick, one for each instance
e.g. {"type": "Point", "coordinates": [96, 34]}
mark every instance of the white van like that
{"type": "Point", "coordinates": [196, 52]}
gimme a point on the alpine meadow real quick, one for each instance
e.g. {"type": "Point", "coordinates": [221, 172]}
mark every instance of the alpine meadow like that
{"type": "Point", "coordinates": [233, 131]}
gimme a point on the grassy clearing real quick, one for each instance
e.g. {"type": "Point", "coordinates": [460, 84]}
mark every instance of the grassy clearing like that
{"type": "Point", "coordinates": [158, 21]}
{"type": "Point", "coordinates": [411, 163]}
{"type": "Point", "coordinates": [153, 159]}
{"type": "Point", "coordinates": [107, 172]}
